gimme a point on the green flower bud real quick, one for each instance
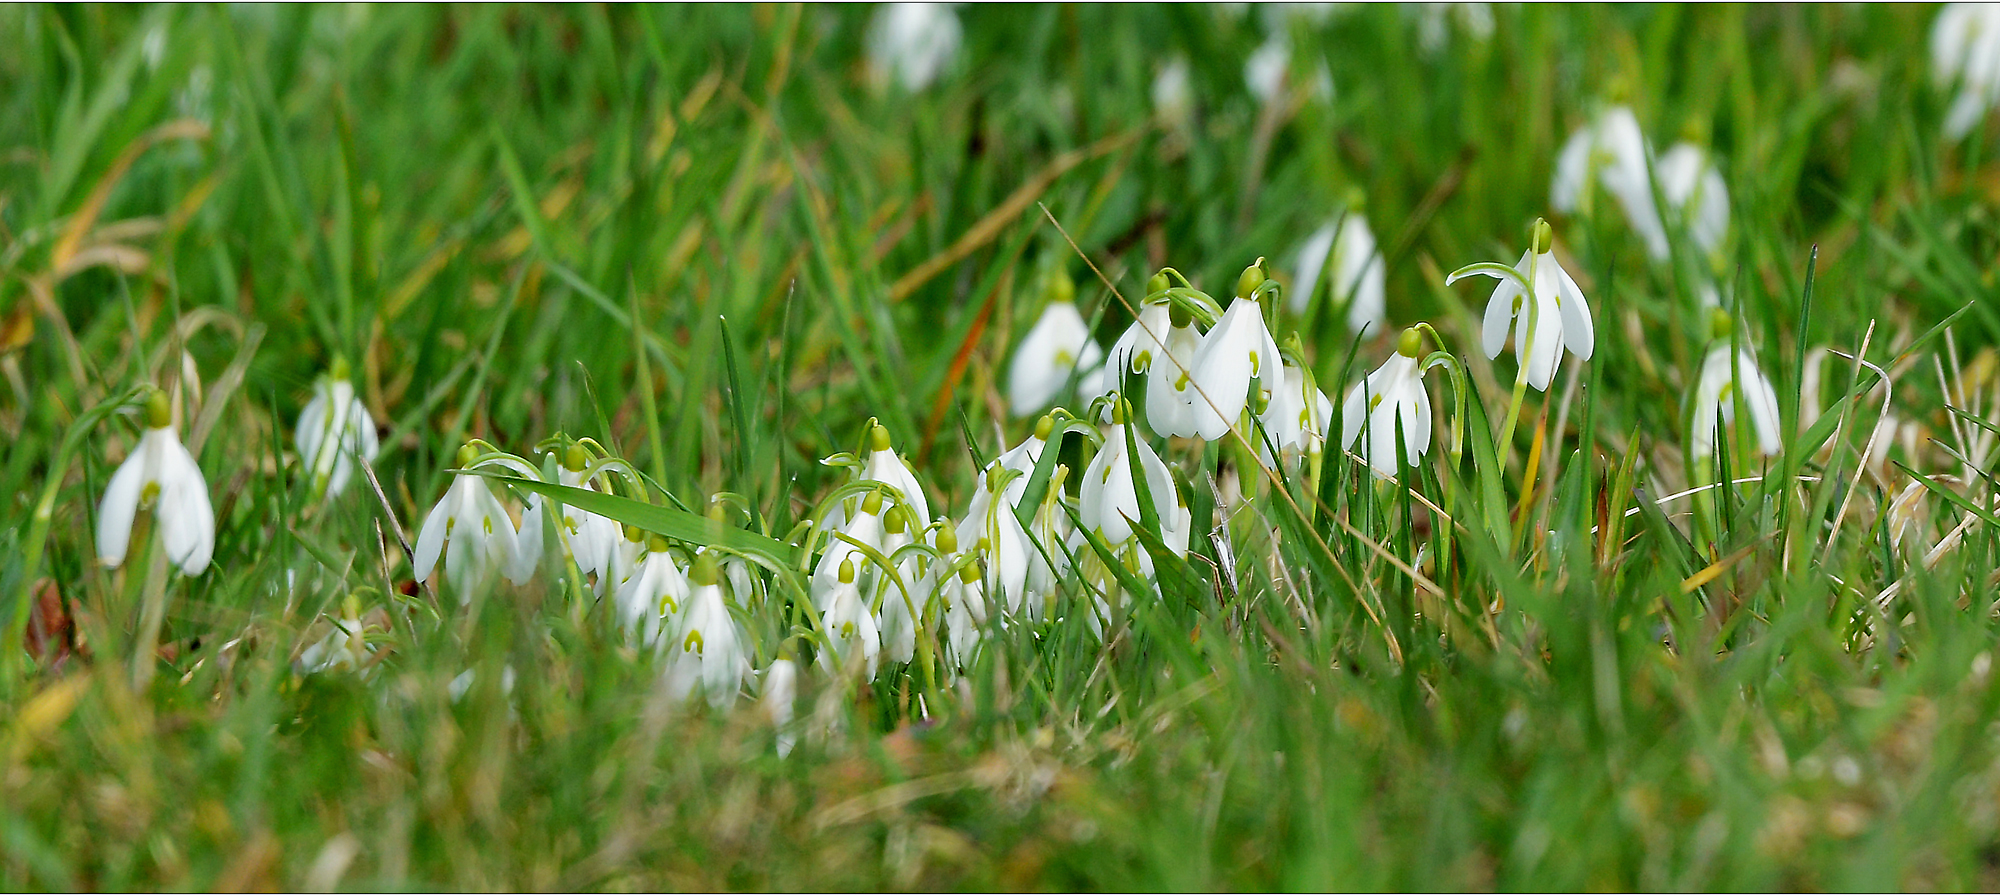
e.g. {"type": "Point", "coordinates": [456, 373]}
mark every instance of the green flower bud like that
{"type": "Point", "coordinates": [465, 455]}
{"type": "Point", "coordinates": [1158, 283]}
{"type": "Point", "coordinates": [1044, 427]}
{"type": "Point", "coordinates": [656, 544]}
{"type": "Point", "coordinates": [1544, 236]}
{"type": "Point", "coordinates": [1720, 324]}
{"type": "Point", "coordinates": [704, 571]}
{"type": "Point", "coordinates": [1409, 343]}
{"type": "Point", "coordinates": [159, 414]}
{"type": "Point", "coordinates": [1252, 277]}
{"type": "Point", "coordinates": [1061, 287]}
{"type": "Point", "coordinates": [574, 459]}
{"type": "Point", "coordinates": [947, 541]}
{"type": "Point", "coordinates": [872, 504]}
{"type": "Point", "coordinates": [878, 438]}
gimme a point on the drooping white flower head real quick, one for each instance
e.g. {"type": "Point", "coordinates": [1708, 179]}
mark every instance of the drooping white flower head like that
{"type": "Point", "coordinates": [964, 596]}
{"type": "Point", "coordinates": [473, 532]}
{"type": "Point", "coordinates": [334, 430]}
{"type": "Point", "coordinates": [853, 640]}
{"type": "Point", "coordinates": [1612, 151]}
{"type": "Point", "coordinates": [1264, 71]}
{"type": "Point", "coordinates": [780, 687]}
{"type": "Point", "coordinates": [1108, 498]}
{"type": "Point", "coordinates": [1173, 97]}
{"type": "Point", "coordinates": [344, 648]}
{"type": "Point", "coordinates": [884, 465]}
{"type": "Point", "coordinates": [1296, 423]}
{"type": "Point", "coordinates": [992, 532]}
{"type": "Point", "coordinates": [1056, 346]}
{"type": "Point", "coordinates": [1965, 54]}
{"type": "Point", "coordinates": [709, 650]}
{"type": "Point", "coordinates": [1434, 19]}
{"type": "Point", "coordinates": [900, 605]}
{"type": "Point", "coordinates": [594, 541]}
{"type": "Point", "coordinates": [1391, 397]}
{"type": "Point", "coordinates": [1555, 317]}
{"type": "Point", "coordinates": [1726, 378]}
{"type": "Point", "coordinates": [1693, 189]}
{"type": "Point", "coordinates": [844, 540]}
{"type": "Point", "coordinates": [161, 474]}
{"type": "Point", "coordinates": [1346, 246]}
{"type": "Point", "coordinates": [913, 43]}
{"type": "Point", "coordinates": [650, 602]}
{"type": "Point", "coordinates": [1237, 354]}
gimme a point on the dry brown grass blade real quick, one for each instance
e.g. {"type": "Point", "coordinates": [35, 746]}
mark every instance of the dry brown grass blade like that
{"type": "Point", "coordinates": [86, 215]}
{"type": "Point", "coordinates": [988, 228]}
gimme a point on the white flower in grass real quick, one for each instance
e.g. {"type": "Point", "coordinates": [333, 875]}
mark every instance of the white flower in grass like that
{"type": "Point", "coordinates": [345, 646]}
{"type": "Point", "coordinates": [992, 532]}
{"type": "Point", "coordinates": [1726, 378]}
{"type": "Point", "coordinates": [1693, 188]}
{"type": "Point", "coordinates": [472, 531]}
{"type": "Point", "coordinates": [161, 474]}
{"type": "Point", "coordinates": [913, 43]}
{"type": "Point", "coordinates": [1556, 316]}
{"type": "Point", "coordinates": [1347, 247]}
{"type": "Point", "coordinates": [964, 595]}
{"type": "Point", "coordinates": [708, 651]}
{"type": "Point", "coordinates": [1612, 151]}
{"type": "Point", "coordinates": [1433, 22]}
{"type": "Point", "coordinates": [898, 623]}
{"type": "Point", "coordinates": [1173, 98]}
{"type": "Point", "coordinates": [1170, 384]}
{"type": "Point", "coordinates": [1296, 423]}
{"type": "Point", "coordinates": [1390, 397]}
{"type": "Point", "coordinates": [884, 465]}
{"type": "Point", "coordinates": [864, 527]}
{"type": "Point", "coordinates": [1056, 346]}
{"type": "Point", "coordinates": [595, 542]}
{"type": "Point", "coordinates": [1264, 71]}
{"type": "Point", "coordinates": [1237, 364]}
{"type": "Point", "coordinates": [650, 601]}
{"type": "Point", "coordinates": [1965, 53]}
{"type": "Point", "coordinates": [333, 430]}
{"type": "Point", "coordinates": [1108, 498]}
{"type": "Point", "coordinates": [852, 639]}
{"type": "Point", "coordinates": [779, 689]}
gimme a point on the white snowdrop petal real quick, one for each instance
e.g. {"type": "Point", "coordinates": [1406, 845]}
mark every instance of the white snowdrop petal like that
{"type": "Point", "coordinates": [118, 508]}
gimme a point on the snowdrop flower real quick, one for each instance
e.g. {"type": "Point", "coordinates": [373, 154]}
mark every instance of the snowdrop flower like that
{"type": "Point", "coordinates": [913, 43]}
{"type": "Point", "coordinates": [343, 649]}
{"type": "Point", "coordinates": [964, 596]}
{"type": "Point", "coordinates": [161, 474]}
{"type": "Point", "coordinates": [1611, 150]}
{"type": "Point", "coordinates": [1476, 19]}
{"type": "Point", "coordinates": [1556, 316]}
{"type": "Point", "coordinates": [1348, 247]}
{"type": "Point", "coordinates": [884, 465]}
{"type": "Point", "coordinates": [992, 531]}
{"type": "Point", "coordinates": [594, 541]}
{"type": "Point", "coordinates": [1173, 98]}
{"type": "Point", "coordinates": [471, 529]}
{"type": "Point", "coordinates": [1236, 357]}
{"type": "Point", "coordinates": [898, 623]}
{"type": "Point", "coordinates": [333, 430]}
{"type": "Point", "coordinates": [1268, 71]}
{"type": "Point", "coordinates": [1726, 377]}
{"type": "Point", "coordinates": [865, 528]}
{"type": "Point", "coordinates": [1170, 383]}
{"type": "Point", "coordinates": [1390, 397]}
{"type": "Point", "coordinates": [1693, 188]}
{"type": "Point", "coordinates": [852, 637]}
{"type": "Point", "coordinates": [1297, 424]}
{"type": "Point", "coordinates": [1108, 500]}
{"type": "Point", "coordinates": [710, 649]}
{"type": "Point", "coordinates": [780, 689]}
{"type": "Point", "coordinates": [1965, 53]}
{"type": "Point", "coordinates": [651, 599]}
{"type": "Point", "coordinates": [1056, 346]}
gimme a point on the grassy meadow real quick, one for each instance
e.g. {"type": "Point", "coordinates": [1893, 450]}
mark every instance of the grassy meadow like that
{"type": "Point", "coordinates": [1565, 654]}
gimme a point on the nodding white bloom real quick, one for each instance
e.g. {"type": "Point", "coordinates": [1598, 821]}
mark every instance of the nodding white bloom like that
{"type": "Point", "coordinates": [780, 688]}
{"type": "Point", "coordinates": [1108, 499]}
{"type": "Point", "coordinates": [595, 542]}
{"type": "Point", "coordinates": [993, 532]}
{"type": "Point", "coordinates": [1475, 19]}
{"type": "Point", "coordinates": [1170, 383]}
{"type": "Point", "coordinates": [1140, 346]}
{"type": "Point", "coordinates": [343, 649]}
{"type": "Point", "coordinates": [1693, 188]}
{"type": "Point", "coordinates": [463, 682]}
{"type": "Point", "coordinates": [473, 532]}
{"type": "Point", "coordinates": [852, 639]}
{"type": "Point", "coordinates": [1612, 151]}
{"type": "Point", "coordinates": [1726, 376]}
{"type": "Point", "coordinates": [913, 43]}
{"type": "Point", "coordinates": [333, 430]}
{"type": "Point", "coordinates": [161, 474]}
{"type": "Point", "coordinates": [1264, 71]}
{"type": "Point", "coordinates": [709, 650]}
{"type": "Point", "coordinates": [1054, 348]}
{"type": "Point", "coordinates": [1296, 423]}
{"type": "Point", "coordinates": [651, 600]}
{"type": "Point", "coordinates": [1557, 313]}
{"type": "Point", "coordinates": [884, 465]}
{"type": "Point", "coordinates": [1392, 396]}
{"type": "Point", "coordinates": [1348, 248]}
{"type": "Point", "coordinates": [900, 607]}
{"type": "Point", "coordinates": [964, 596]}
{"type": "Point", "coordinates": [1965, 53]}
{"type": "Point", "coordinates": [1173, 98]}
{"type": "Point", "coordinates": [1236, 357]}
{"type": "Point", "coordinates": [864, 527]}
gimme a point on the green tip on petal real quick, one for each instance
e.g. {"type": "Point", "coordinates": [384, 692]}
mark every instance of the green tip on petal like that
{"type": "Point", "coordinates": [1253, 277]}
{"type": "Point", "coordinates": [159, 415]}
{"type": "Point", "coordinates": [1544, 236]}
{"type": "Point", "coordinates": [466, 453]}
{"type": "Point", "coordinates": [1720, 324]}
{"type": "Point", "coordinates": [574, 459]}
{"type": "Point", "coordinates": [1044, 427]}
{"type": "Point", "coordinates": [878, 438]}
{"type": "Point", "coordinates": [656, 544]}
{"type": "Point", "coordinates": [847, 571]}
{"type": "Point", "coordinates": [1061, 287]}
{"type": "Point", "coordinates": [632, 533]}
{"type": "Point", "coordinates": [872, 504]}
{"type": "Point", "coordinates": [896, 521]}
{"type": "Point", "coordinates": [1409, 343]}
{"type": "Point", "coordinates": [947, 541]}
{"type": "Point", "coordinates": [340, 369]}
{"type": "Point", "coordinates": [704, 571]}
{"type": "Point", "coordinates": [1158, 283]}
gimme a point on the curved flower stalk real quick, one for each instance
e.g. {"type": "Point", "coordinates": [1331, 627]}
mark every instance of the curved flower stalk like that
{"type": "Point", "coordinates": [853, 642]}
{"type": "Point", "coordinates": [1391, 397]}
{"type": "Point", "coordinates": [1298, 419]}
{"type": "Point", "coordinates": [334, 429]}
{"type": "Point", "coordinates": [1965, 54]}
{"type": "Point", "coordinates": [595, 542]}
{"type": "Point", "coordinates": [912, 44]}
{"type": "Point", "coordinates": [1345, 247]}
{"type": "Point", "coordinates": [1612, 151]}
{"type": "Point", "coordinates": [471, 529]}
{"type": "Point", "coordinates": [1057, 346]}
{"type": "Point", "coordinates": [709, 651]}
{"type": "Point", "coordinates": [162, 475]}
{"type": "Point", "coordinates": [1728, 377]}
{"type": "Point", "coordinates": [650, 602]}
{"type": "Point", "coordinates": [1545, 306]}
{"type": "Point", "coordinates": [1694, 191]}
{"type": "Point", "coordinates": [1237, 364]}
